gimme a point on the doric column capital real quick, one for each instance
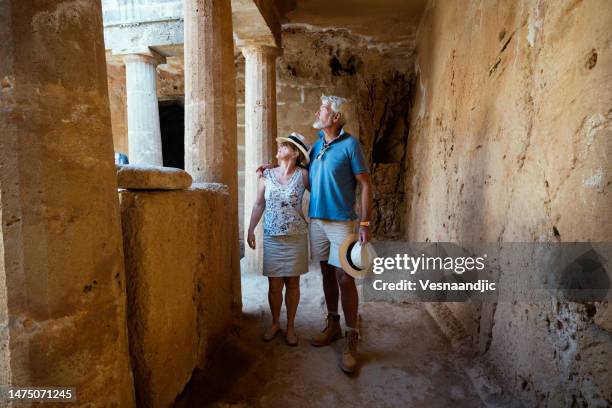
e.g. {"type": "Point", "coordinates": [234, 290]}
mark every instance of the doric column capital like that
{"type": "Point", "coordinates": [248, 50]}
{"type": "Point", "coordinates": [146, 55]}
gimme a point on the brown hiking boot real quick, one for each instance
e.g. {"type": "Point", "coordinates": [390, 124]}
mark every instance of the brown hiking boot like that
{"type": "Point", "coordinates": [348, 363]}
{"type": "Point", "coordinates": [331, 332]}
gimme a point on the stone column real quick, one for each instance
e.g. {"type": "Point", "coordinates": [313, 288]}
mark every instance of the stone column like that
{"type": "Point", "coordinates": [62, 280]}
{"type": "Point", "coordinates": [211, 146]}
{"type": "Point", "coordinates": [144, 135]}
{"type": "Point", "coordinates": [260, 135]}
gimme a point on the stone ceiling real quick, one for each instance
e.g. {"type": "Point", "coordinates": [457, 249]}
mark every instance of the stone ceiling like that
{"type": "Point", "coordinates": [382, 21]}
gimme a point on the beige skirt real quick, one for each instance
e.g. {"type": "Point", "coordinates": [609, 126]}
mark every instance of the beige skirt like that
{"type": "Point", "coordinates": [285, 255]}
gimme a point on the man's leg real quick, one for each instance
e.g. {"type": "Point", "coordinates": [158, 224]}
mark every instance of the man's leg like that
{"type": "Point", "coordinates": [337, 233]}
{"type": "Point", "coordinates": [319, 246]}
{"type": "Point", "coordinates": [332, 330]}
{"type": "Point", "coordinates": [330, 287]}
{"type": "Point", "coordinates": [349, 296]}
{"type": "Point", "coordinates": [350, 304]}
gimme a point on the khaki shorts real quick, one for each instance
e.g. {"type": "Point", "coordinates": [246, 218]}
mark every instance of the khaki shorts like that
{"type": "Point", "coordinates": [326, 237]}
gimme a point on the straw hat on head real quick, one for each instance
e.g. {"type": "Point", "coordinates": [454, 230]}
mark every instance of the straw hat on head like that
{"type": "Point", "coordinates": [298, 141]}
{"type": "Point", "coordinates": [356, 259]}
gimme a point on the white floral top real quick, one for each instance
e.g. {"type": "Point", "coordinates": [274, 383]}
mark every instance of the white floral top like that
{"type": "Point", "coordinates": [283, 214]}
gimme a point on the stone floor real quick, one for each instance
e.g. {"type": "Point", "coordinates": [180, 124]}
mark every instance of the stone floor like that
{"type": "Point", "coordinates": [407, 362]}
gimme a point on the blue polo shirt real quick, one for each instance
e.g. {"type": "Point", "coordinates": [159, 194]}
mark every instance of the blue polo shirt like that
{"type": "Point", "coordinates": [332, 177]}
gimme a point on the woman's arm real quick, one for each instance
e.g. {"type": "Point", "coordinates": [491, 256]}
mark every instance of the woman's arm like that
{"type": "Point", "coordinates": [306, 179]}
{"type": "Point", "coordinates": [258, 208]}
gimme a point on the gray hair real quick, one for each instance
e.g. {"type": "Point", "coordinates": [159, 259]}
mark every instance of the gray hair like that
{"type": "Point", "coordinates": [336, 103]}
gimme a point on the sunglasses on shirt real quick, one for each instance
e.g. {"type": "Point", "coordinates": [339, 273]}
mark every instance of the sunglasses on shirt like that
{"type": "Point", "coordinates": [325, 148]}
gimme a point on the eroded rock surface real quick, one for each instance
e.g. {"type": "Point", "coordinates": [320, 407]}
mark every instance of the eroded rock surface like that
{"type": "Point", "coordinates": [510, 140]}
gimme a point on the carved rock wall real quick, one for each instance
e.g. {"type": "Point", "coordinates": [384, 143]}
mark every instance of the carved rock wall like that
{"type": "Point", "coordinates": [510, 141]}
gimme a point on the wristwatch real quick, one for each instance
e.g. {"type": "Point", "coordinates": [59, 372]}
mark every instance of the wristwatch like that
{"type": "Point", "coordinates": [364, 223]}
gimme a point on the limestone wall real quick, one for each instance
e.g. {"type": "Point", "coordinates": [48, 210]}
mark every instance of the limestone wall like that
{"type": "Point", "coordinates": [179, 286]}
{"type": "Point", "coordinates": [510, 140]}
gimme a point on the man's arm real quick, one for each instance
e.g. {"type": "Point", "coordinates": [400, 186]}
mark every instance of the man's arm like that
{"type": "Point", "coordinates": [263, 167]}
{"type": "Point", "coordinates": [365, 182]}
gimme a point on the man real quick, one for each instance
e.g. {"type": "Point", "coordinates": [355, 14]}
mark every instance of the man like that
{"type": "Point", "coordinates": [121, 158]}
{"type": "Point", "coordinates": [337, 165]}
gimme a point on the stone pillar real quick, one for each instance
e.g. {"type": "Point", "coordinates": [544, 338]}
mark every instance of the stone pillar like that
{"type": "Point", "coordinates": [260, 136]}
{"type": "Point", "coordinates": [211, 146]}
{"type": "Point", "coordinates": [62, 280]}
{"type": "Point", "coordinates": [144, 135]}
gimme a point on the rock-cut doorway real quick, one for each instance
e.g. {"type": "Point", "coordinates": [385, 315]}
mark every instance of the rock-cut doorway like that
{"type": "Point", "coordinates": [172, 126]}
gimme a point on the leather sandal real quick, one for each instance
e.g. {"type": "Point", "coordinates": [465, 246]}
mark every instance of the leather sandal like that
{"type": "Point", "coordinates": [270, 334]}
{"type": "Point", "coordinates": [291, 340]}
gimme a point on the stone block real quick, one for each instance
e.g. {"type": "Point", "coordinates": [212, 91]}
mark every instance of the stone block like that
{"type": "Point", "coordinates": [179, 290]}
{"type": "Point", "coordinates": [143, 177]}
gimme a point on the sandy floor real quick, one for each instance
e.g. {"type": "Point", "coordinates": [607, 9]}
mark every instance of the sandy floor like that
{"type": "Point", "coordinates": [406, 361]}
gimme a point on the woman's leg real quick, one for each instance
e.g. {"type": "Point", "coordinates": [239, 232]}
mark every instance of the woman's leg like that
{"type": "Point", "coordinates": [292, 298]}
{"type": "Point", "coordinates": [275, 299]}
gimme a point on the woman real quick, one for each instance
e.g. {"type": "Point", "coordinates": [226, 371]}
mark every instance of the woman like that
{"type": "Point", "coordinates": [285, 242]}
